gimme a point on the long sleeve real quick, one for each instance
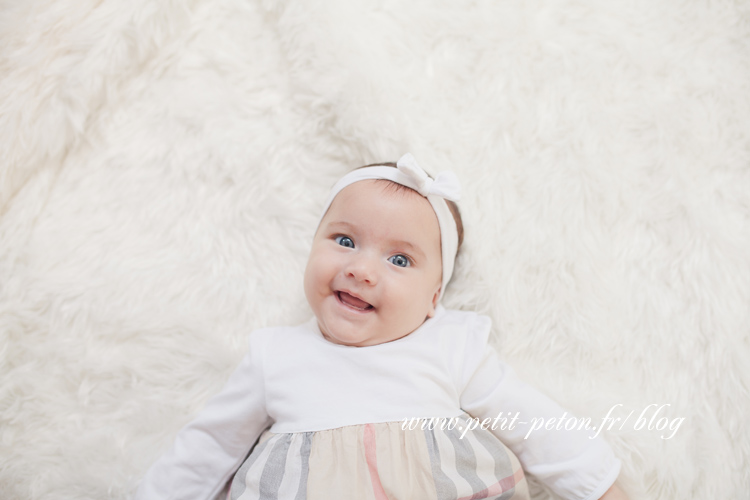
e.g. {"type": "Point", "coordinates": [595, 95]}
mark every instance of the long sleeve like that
{"type": "Point", "coordinates": [211, 447]}
{"type": "Point", "coordinates": [570, 462]}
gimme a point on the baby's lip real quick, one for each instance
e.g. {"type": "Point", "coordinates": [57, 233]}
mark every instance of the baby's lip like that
{"type": "Point", "coordinates": [353, 300]}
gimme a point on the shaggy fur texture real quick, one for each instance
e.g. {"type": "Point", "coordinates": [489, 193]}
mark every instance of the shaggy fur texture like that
{"type": "Point", "coordinates": [162, 165]}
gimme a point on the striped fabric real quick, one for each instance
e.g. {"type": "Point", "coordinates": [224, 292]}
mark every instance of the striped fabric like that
{"type": "Point", "coordinates": [380, 462]}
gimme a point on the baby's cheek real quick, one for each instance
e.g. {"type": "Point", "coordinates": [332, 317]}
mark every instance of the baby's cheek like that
{"type": "Point", "coordinates": [310, 278]}
{"type": "Point", "coordinates": [320, 272]}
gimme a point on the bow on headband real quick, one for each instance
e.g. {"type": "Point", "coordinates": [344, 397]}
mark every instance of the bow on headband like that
{"type": "Point", "coordinates": [445, 184]}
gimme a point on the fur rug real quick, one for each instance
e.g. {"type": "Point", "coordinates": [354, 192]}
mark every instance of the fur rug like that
{"type": "Point", "coordinates": [162, 165]}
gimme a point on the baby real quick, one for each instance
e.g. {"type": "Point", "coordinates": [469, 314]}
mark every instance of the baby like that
{"type": "Point", "coordinates": [342, 392]}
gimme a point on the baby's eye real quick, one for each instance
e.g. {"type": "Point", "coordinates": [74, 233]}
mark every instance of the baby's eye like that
{"type": "Point", "coordinates": [400, 260]}
{"type": "Point", "coordinates": [344, 241]}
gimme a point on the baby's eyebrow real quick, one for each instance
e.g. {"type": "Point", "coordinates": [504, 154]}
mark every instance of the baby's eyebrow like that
{"type": "Point", "coordinates": [411, 248]}
{"type": "Point", "coordinates": [343, 224]}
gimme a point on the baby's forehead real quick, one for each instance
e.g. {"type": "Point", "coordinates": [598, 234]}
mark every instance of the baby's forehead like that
{"type": "Point", "coordinates": [385, 188]}
{"type": "Point", "coordinates": [369, 198]}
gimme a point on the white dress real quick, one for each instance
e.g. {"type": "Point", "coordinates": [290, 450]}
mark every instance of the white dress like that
{"type": "Point", "coordinates": [337, 415]}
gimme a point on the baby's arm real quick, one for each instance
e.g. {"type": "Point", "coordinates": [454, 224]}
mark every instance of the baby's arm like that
{"type": "Point", "coordinates": [211, 447]}
{"type": "Point", "coordinates": [570, 463]}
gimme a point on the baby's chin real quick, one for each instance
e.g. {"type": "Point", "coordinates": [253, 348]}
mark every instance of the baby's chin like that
{"type": "Point", "coordinates": [347, 337]}
{"type": "Point", "coordinates": [344, 342]}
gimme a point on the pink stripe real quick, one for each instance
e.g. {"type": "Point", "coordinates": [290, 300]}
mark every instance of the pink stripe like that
{"type": "Point", "coordinates": [501, 486]}
{"type": "Point", "coordinates": [372, 463]}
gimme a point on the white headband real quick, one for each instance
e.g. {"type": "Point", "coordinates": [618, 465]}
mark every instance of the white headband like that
{"type": "Point", "coordinates": [445, 186]}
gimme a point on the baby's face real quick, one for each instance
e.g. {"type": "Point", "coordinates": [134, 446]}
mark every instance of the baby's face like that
{"type": "Point", "coordinates": [375, 268]}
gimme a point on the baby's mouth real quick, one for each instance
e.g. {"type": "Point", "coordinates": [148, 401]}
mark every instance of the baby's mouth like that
{"type": "Point", "coordinates": [353, 302]}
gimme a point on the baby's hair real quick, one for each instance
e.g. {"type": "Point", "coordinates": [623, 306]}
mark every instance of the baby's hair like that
{"type": "Point", "coordinates": [451, 205]}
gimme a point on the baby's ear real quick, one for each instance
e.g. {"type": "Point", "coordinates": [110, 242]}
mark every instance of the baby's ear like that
{"type": "Point", "coordinates": [434, 303]}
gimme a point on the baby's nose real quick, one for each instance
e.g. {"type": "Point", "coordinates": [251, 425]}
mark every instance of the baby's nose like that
{"type": "Point", "coordinates": [363, 268]}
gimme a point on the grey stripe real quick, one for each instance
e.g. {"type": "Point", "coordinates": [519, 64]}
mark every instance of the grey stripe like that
{"type": "Point", "coordinates": [238, 483]}
{"type": "Point", "coordinates": [503, 467]}
{"type": "Point", "coordinates": [305, 466]}
{"type": "Point", "coordinates": [444, 486]}
{"type": "Point", "coordinates": [273, 472]}
{"type": "Point", "coordinates": [466, 460]}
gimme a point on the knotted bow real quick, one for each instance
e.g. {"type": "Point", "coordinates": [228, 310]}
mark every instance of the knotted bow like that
{"type": "Point", "coordinates": [445, 184]}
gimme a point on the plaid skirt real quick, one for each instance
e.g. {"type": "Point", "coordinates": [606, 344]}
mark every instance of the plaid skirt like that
{"type": "Point", "coordinates": [381, 461]}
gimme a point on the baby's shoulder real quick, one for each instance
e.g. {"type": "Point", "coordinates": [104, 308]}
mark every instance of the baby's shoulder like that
{"type": "Point", "coordinates": [463, 330]}
{"type": "Point", "coordinates": [463, 341]}
{"type": "Point", "coordinates": [467, 322]}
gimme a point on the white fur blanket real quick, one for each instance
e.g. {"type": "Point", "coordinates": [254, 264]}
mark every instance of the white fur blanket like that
{"type": "Point", "coordinates": [162, 165]}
